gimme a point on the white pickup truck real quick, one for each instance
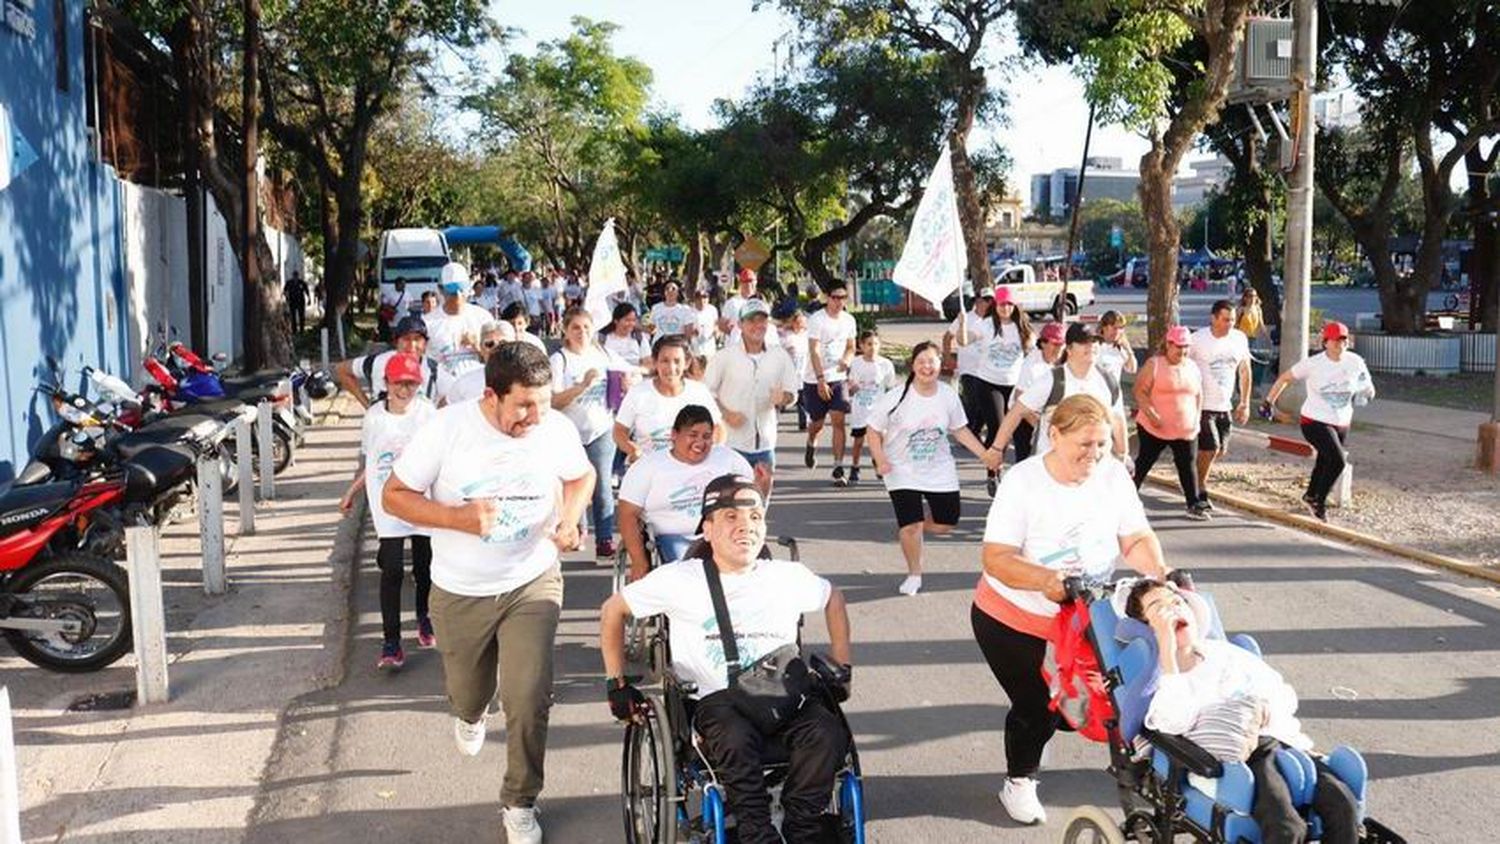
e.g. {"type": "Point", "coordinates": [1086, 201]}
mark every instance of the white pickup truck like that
{"type": "Point", "coordinates": [1040, 297]}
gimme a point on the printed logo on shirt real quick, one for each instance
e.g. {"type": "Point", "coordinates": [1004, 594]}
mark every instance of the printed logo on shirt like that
{"type": "Point", "coordinates": [523, 508]}
{"type": "Point", "coordinates": [1093, 557]}
{"type": "Point", "coordinates": [1004, 353]}
{"type": "Point", "coordinates": [923, 444]}
{"type": "Point", "coordinates": [687, 499]}
{"type": "Point", "coordinates": [752, 643]}
{"type": "Point", "coordinates": [1222, 369]}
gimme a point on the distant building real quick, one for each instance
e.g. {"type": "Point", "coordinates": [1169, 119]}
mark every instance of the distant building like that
{"type": "Point", "coordinates": [1208, 175]}
{"type": "Point", "coordinates": [1336, 110]}
{"type": "Point", "coordinates": [1052, 194]}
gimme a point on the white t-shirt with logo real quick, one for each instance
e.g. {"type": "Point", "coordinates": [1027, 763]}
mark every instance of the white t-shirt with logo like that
{"type": "Point", "coordinates": [1333, 387]}
{"type": "Point", "coordinates": [670, 492]}
{"type": "Point", "coordinates": [968, 356]}
{"type": "Point", "coordinates": [915, 432]}
{"type": "Point", "coordinates": [466, 387]}
{"type": "Point", "coordinates": [795, 343]}
{"type": "Point", "coordinates": [1219, 360]}
{"type": "Point", "coordinates": [873, 378]}
{"type": "Point", "coordinates": [1075, 528]}
{"type": "Point", "coordinates": [383, 436]}
{"type": "Point", "coordinates": [1032, 367]}
{"type": "Point", "coordinates": [588, 411]}
{"type": "Point", "coordinates": [445, 331]}
{"type": "Point", "coordinates": [706, 321]}
{"type": "Point", "coordinates": [833, 333]}
{"type": "Point", "coordinates": [632, 350]}
{"type": "Point", "coordinates": [1111, 359]}
{"type": "Point", "coordinates": [670, 320]}
{"type": "Point", "coordinates": [765, 604]}
{"type": "Point", "coordinates": [459, 456]}
{"type": "Point", "coordinates": [649, 415]}
{"type": "Point", "coordinates": [1002, 356]}
{"type": "Point", "coordinates": [1038, 391]}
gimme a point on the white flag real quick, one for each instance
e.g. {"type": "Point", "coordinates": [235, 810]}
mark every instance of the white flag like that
{"type": "Point", "coordinates": [934, 261]}
{"type": "Point", "coordinates": [606, 275]}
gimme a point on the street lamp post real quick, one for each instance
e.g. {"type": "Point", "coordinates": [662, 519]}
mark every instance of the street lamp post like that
{"type": "Point", "coordinates": [1297, 275]}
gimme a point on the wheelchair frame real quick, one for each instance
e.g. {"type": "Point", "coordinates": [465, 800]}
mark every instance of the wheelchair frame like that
{"type": "Point", "coordinates": [669, 791]}
{"type": "Point", "coordinates": [1155, 807]}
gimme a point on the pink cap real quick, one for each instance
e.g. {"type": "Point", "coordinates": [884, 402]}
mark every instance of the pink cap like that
{"type": "Point", "coordinates": [1052, 332]}
{"type": "Point", "coordinates": [1003, 295]}
{"type": "Point", "coordinates": [1178, 335]}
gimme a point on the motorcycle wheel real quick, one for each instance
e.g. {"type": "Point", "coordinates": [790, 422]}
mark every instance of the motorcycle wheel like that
{"type": "Point", "coordinates": [229, 468]}
{"type": "Point", "coordinates": [79, 587]}
{"type": "Point", "coordinates": [281, 451]}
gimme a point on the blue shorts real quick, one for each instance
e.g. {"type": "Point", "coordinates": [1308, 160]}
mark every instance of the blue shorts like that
{"type": "Point", "coordinates": [817, 409]}
{"type": "Point", "coordinates": [765, 458]}
{"type": "Point", "coordinates": [671, 546]}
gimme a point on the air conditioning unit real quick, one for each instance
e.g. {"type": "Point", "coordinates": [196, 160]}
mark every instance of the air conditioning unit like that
{"type": "Point", "coordinates": [1263, 69]}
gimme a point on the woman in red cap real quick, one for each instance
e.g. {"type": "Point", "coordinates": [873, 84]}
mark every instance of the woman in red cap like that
{"type": "Point", "coordinates": [1004, 339]}
{"type": "Point", "coordinates": [1169, 393]}
{"type": "Point", "coordinates": [1337, 380]}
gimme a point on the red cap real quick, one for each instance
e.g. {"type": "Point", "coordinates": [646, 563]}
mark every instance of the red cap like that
{"type": "Point", "coordinates": [1335, 331]}
{"type": "Point", "coordinates": [1003, 295]}
{"type": "Point", "coordinates": [1052, 332]}
{"type": "Point", "coordinates": [746, 274]}
{"type": "Point", "coordinates": [403, 367]}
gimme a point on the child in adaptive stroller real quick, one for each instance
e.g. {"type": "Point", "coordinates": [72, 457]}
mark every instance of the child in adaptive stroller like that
{"type": "Point", "coordinates": [1234, 705]}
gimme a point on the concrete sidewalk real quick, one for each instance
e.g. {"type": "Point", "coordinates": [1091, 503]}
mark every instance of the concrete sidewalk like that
{"type": "Point", "coordinates": [1422, 418]}
{"type": "Point", "coordinates": [189, 770]}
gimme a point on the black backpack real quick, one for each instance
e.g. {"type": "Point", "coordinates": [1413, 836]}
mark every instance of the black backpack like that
{"type": "Point", "coordinates": [1060, 385]}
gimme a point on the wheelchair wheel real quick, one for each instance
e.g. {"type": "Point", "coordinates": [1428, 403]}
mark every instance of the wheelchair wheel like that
{"type": "Point", "coordinates": [851, 800]}
{"type": "Point", "coordinates": [648, 779]}
{"type": "Point", "coordinates": [1091, 825]}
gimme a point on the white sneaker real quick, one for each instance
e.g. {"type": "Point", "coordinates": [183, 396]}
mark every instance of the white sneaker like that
{"type": "Point", "coordinates": [911, 585]}
{"type": "Point", "coordinates": [1020, 801]}
{"type": "Point", "coordinates": [469, 737]}
{"type": "Point", "coordinates": [522, 826]}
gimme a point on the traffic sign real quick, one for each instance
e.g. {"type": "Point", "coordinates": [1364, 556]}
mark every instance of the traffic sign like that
{"type": "Point", "coordinates": [1116, 236]}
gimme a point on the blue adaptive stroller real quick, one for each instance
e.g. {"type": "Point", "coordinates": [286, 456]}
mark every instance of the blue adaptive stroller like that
{"type": "Point", "coordinates": [1152, 769]}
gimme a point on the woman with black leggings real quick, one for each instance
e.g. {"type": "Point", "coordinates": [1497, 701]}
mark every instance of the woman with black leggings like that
{"type": "Point", "coordinates": [1072, 510]}
{"type": "Point", "coordinates": [1004, 340]}
{"type": "Point", "coordinates": [1169, 402]}
{"type": "Point", "coordinates": [1337, 380]}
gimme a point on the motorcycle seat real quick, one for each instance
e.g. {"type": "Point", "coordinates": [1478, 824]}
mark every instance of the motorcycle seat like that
{"type": "Point", "coordinates": [156, 469]}
{"type": "Point", "coordinates": [23, 507]}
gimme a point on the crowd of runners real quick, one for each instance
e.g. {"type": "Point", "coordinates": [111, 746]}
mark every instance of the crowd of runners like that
{"type": "Point", "coordinates": [504, 427]}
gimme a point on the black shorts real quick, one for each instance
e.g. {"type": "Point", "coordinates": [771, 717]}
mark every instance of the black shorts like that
{"type": "Point", "coordinates": [858, 433]}
{"type": "Point", "coordinates": [1214, 427]}
{"type": "Point", "coordinates": [816, 408]}
{"type": "Point", "coordinates": [945, 506]}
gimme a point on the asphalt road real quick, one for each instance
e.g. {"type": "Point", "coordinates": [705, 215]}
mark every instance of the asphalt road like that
{"type": "Point", "coordinates": [1340, 303]}
{"type": "Point", "coordinates": [1393, 658]}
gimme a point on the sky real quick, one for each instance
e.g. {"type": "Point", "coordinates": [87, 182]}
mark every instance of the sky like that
{"type": "Point", "coordinates": [703, 50]}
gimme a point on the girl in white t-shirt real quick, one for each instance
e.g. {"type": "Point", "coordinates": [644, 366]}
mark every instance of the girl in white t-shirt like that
{"type": "Point", "coordinates": [870, 377]}
{"type": "Point", "coordinates": [794, 341]}
{"type": "Point", "coordinates": [908, 430]}
{"type": "Point", "coordinates": [1115, 356]}
{"type": "Point", "coordinates": [624, 339]}
{"type": "Point", "coordinates": [1337, 380]}
{"type": "Point", "coordinates": [579, 389]}
{"type": "Point", "coordinates": [644, 421]}
{"type": "Point", "coordinates": [388, 426]}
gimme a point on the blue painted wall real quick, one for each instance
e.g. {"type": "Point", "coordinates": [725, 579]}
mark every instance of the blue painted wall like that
{"type": "Point", "coordinates": [61, 265]}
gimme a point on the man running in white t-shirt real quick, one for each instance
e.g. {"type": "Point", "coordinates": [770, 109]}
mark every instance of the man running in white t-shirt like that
{"type": "Point", "coordinates": [1222, 353]}
{"type": "Point", "coordinates": [500, 485]}
{"type": "Point", "coordinates": [831, 333]}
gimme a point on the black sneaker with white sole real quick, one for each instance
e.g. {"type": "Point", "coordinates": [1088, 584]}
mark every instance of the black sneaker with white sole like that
{"type": "Point", "coordinates": [838, 476]}
{"type": "Point", "coordinates": [809, 457]}
{"type": "Point", "coordinates": [854, 476]}
{"type": "Point", "coordinates": [1197, 513]}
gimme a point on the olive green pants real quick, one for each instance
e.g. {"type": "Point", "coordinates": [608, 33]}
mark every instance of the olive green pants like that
{"type": "Point", "coordinates": [510, 635]}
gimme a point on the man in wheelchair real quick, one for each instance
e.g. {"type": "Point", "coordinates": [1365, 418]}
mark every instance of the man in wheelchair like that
{"type": "Point", "coordinates": [764, 601]}
{"type": "Point", "coordinates": [1237, 707]}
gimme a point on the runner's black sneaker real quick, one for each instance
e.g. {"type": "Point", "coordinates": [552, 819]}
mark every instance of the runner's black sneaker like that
{"type": "Point", "coordinates": [1205, 504]}
{"type": "Point", "coordinates": [1197, 513]}
{"type": "Point", "coordinates": [838, 476]}
{"type": "Point", "coordinates": [809, 458]}
{"type": "Point", "coordinates": [854, 476]}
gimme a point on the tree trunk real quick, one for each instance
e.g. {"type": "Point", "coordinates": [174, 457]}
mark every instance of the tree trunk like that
{"type": "Point", "coordinates": [692, 268]}
{"type": "Point", "coordinates": [1163, 233]}
{"type": "Point", "coordinates": [1484, 261]}
{"type": "Point", "coordinates": [970, 211]}
{"type": "Point", "coordinates": [811, 255]}
{"type": "Point", "coordinates": [1371, 232]}
{"type": "Point", "coordinates": [339, 279]}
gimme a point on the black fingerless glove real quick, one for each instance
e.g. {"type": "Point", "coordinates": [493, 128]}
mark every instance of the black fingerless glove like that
{"type": "Point", "coordinates": [625, 700]}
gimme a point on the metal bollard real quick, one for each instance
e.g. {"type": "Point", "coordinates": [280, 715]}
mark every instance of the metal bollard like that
{"type": "Point", "coordinates": [148, 617]}
{"type": "Point", "coordinates": [1342, 494]}
{"type": "Point", "coordinates": [266, 442]}
{"type": "Point", "coordinates": [10, 792]}
{"type": "Point", "coordinates": [211, 524]}
{"type": "Point", "coordinates": [242, 451]}
{"type": "Point", "coordinates": [323, 333]}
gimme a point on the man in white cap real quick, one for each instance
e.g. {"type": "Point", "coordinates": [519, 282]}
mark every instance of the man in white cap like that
{"type": "Point", "coordinates": [453, 332]}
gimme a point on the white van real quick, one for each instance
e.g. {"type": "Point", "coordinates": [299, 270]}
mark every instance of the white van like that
{"type": "Point", "coordinates": [416, 256]}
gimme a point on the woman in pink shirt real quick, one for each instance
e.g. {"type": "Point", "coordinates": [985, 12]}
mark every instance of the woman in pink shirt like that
{"type": "Point", "coordinates": [1169, 396]}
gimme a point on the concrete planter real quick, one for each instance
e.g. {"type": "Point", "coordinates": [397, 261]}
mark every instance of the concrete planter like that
{"type": "Point", "coordinates": [1420, 354]}
{"type": "Point", "coordinates": [1477, 352]}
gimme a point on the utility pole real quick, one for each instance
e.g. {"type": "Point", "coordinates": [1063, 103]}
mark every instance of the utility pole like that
{"type": "Point", "coordinates": [250, 267]}
{"type": "Point", "coordinates": [1297, 273]}
{"type": "Point", "coordinates": [1060, 308]}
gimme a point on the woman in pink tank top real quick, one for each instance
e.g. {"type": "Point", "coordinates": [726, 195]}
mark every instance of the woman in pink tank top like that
{"type": "Point", "coordinates": [1169, 395]}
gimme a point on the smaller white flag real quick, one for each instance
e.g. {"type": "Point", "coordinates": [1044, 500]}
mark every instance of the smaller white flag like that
{"type": "Point", "coordinates": [606, 275]}
{"type": "Point", "coordinates": [933, 261]}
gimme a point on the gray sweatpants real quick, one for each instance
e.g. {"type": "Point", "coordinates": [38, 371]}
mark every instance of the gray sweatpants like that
{"type": "Point", "coordinates": [516, 629]}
